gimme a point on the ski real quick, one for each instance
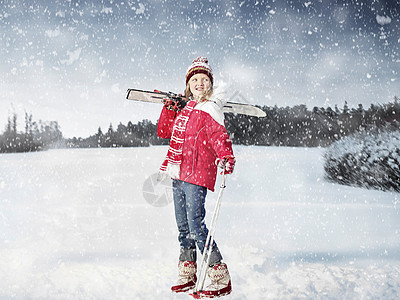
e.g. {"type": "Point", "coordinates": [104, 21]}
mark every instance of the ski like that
{"type": "Point", "coordinates": [158, 96]}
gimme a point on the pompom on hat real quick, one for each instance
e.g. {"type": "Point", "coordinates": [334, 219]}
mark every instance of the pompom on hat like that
{"type": "Point", "coordinates": [199, 65]}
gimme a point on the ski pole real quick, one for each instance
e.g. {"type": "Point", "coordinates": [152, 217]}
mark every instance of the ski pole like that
{"type": "Point", "coordinates": [210, 236]}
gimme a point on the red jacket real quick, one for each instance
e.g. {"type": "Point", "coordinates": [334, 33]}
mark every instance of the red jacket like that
{"type": "Point", "coordinates": [205, 141]}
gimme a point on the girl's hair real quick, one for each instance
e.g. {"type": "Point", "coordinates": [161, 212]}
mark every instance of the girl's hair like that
{"type": "Point", "coordinates": [189, 94]}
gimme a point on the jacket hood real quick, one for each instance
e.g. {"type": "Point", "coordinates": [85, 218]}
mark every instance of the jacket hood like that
{"type": "Point", "coordinates": [219, 95]}
{"type": "Point", "coordinates": [215, 106]}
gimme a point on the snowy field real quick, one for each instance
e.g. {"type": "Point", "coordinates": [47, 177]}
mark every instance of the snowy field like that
{"type": "Point", "coordinates": [74, 224]}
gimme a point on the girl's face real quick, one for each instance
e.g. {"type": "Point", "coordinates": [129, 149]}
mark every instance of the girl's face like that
{"type": "Point", "coordinates": [199, 85]}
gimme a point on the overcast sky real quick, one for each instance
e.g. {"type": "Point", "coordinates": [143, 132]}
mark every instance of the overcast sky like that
{"type": "Point", "coordinates": [72, 61]}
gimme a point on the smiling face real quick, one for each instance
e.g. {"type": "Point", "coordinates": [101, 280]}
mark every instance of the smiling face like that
{"type": "Point", "coordinates": [199, 85]}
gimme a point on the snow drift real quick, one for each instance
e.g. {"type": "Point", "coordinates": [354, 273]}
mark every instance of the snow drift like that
{"type": "Point", "coordinates": [370, 159]}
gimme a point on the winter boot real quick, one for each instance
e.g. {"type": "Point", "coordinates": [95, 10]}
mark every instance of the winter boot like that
{"type": "Point", "coordinates": [220, 282]}
{"type": "Point", "coordinates": [186, 277]}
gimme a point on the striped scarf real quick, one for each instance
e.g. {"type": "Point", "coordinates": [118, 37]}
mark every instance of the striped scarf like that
{"type": "Point", "coordinates": [173, 160]}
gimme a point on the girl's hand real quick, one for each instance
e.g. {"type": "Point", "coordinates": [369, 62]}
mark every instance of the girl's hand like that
{"type": "Point", "coordinates": [170, 104]}
{"type": "Point", "coordinates": [229, 162]}
{"type": "Point", "coordinates": [174, 104]}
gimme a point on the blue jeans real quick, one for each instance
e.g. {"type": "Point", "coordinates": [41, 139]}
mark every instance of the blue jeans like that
{"type": "Point", "coordinates": [189, 202]}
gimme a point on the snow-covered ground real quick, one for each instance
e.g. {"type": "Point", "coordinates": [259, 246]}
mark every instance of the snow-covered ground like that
{"type": "Point", "coordinates": [74, 224]}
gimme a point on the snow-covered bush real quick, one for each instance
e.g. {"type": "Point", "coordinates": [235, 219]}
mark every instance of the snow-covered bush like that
{"type": "Point", "coordinates": [370, 159]}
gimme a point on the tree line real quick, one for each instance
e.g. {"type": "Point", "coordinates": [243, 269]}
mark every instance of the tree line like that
{"type": "Point", "coordinates": [142, 134]}
{"type": "Point", "coordinates": [40, 135]}
{"type": "Point", "coordinates": [295, 126]}
{"type": "Point", "coordinates": [299, 126]}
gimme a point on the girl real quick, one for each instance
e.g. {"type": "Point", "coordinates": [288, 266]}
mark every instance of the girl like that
{"type": "Point", "coordinates": [198, 139]}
